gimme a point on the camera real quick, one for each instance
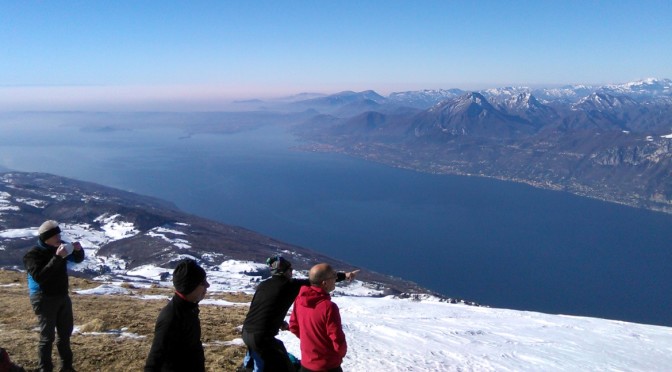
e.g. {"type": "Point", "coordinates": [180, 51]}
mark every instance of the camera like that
{"type": "Point", "coordinates": [68, 247]}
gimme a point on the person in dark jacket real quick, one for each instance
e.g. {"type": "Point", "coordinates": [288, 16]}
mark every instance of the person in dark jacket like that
{"type": "Point", "coordinates": [316, 321]}
{"type": "Point", "coordinates": [177, 335]}
{"type": "Point", "coordinates": [46, 264]}
{"type": "Point", "coordinates": [267, 313]}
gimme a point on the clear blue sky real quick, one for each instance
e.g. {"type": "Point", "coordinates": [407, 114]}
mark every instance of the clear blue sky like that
{"type": "Point", "coordinates": [211, 50]}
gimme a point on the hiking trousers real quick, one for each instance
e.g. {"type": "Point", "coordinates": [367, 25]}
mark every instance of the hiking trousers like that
{"type": "Point", "coordinates": [271, 350]}
{"type": "Point", "coordinates": [337, 369]}
{"type": "Point", "coordinates": [55, 316]}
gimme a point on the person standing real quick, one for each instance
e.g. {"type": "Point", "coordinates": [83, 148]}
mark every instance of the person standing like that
{"type": "Point", "coordinates": [316, 321]}
{"type": "Point", "coordinates": [269, 307]}
{"type": "Point", "coordinates": [46, 265]}
{"type": "Point", "coordinates": [177, 335]}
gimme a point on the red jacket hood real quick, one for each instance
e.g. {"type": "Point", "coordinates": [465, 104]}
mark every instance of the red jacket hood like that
{"type": "Point", "coordinates": [311, 296]}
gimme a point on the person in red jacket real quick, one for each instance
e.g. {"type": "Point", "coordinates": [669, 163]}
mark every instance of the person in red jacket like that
{"type": "Point", "coordinates": [316, 321]}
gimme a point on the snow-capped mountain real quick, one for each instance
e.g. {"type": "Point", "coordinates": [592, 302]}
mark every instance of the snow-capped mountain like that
{"type": "Point", "coordinates": [655, 90]}
{"type": "Point", "coordinates": [604, 102]}
{"type": "Point", "coordinates": [470, 114]}
{"type": "Point", "coordinates": [349, 103]}
{"type": "Point", "coordinates": [650, 88]}
{"type": "Point", "coordinates": [424, 98]}
{"type": "Point", "coordinates": [526, 106]}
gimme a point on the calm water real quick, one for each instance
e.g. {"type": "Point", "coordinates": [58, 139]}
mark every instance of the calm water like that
{"type": "Point", "coordinates": [500, 244]}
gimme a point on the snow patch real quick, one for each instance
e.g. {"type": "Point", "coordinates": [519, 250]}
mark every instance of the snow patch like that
{"type": "Point", "coordinates": [114, 228]}
{"type": "Point", "coordinates": [120, 333]}
{"type": "Point", "coordinates": [19, 233]}
{"type": "Point", "coordinates": [33, 202]}
{"type": "Point", "coordinates": [105, 289]}
{"type": "Point", "coordinates": [161, 232]}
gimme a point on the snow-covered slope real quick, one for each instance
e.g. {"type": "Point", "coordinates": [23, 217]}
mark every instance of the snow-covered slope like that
{"type": "Point", "coordinates": [403, 335]}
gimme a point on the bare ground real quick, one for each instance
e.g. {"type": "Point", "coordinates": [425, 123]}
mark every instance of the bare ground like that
{"type": "Point", "coordinates": [111, 352]}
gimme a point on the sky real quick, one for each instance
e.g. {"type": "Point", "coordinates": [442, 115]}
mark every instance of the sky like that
{"type": "Point", "coordinates": [55, 53]}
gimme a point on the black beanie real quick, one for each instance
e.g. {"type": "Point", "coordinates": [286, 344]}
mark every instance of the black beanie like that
{"type": "Point", "coordinates": [187, 276]}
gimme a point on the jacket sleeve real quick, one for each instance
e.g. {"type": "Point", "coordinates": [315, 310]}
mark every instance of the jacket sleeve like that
{"type": "Point", "coordinates": [335, 330]}
{"type": "Point", "coordinates": [294, 324]}
{"type": "Point", "coordinates": [340, 276]}
{"type": "Point", "coordinates": [76, 256]}
{"type": "Point", "coordinates": [298, 283]}
{"type": "Point", "coordinates": [41, 273]}
{"type": "Point", "coordinates": [160, 345]}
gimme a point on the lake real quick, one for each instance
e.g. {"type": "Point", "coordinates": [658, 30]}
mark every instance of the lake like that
{"type": "Point", "coordinates": [497, 243]}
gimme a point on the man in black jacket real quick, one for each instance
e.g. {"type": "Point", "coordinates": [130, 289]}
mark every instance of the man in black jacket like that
{"type": "Point", "coordinates": [46, 264]}
{"type": "Point", "coordinates": [267, 313]}
{"type": "Point", "coordinates": [177, 335]}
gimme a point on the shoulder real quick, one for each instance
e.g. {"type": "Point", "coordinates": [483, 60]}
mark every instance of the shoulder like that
{"type": "Point", "coordinates": [269, 285]}
{"type": "Point", "coordinates": [330, 305]}
{"type": "Point", "coordinates": [35, 253]}
{"type": "Point", "coordinates": [298, 284]}
{"type": "Point", "coordinates": [168, 312]}
{"type": "Point", "coordinates": [34, 250]}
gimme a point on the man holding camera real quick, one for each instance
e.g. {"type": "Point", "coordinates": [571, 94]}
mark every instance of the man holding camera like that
{"type": "Point", "coordinates": [46, 264]}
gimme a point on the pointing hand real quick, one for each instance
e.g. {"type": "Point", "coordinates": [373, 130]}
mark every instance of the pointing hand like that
{"type": "Point", "coordinates": [351, 275]}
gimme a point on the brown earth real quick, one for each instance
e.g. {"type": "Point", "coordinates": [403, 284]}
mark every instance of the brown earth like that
{"type": "Point", "coordinates": [109, 313]}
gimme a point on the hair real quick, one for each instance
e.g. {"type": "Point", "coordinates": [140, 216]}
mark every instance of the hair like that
{"type": "Point", "coordinates": [320, 273]}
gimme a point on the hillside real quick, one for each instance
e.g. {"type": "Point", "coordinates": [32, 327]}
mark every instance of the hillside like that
{"type": "Point", "coordinates": [123, 231]}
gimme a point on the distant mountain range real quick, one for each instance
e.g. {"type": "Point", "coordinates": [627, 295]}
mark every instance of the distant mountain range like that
{"type": "Point", "coordinates": [123, 231]}
{"type": "Point", "coordinates": [648, 90]}
{"type": "Point", "coordinates": [612, 142]}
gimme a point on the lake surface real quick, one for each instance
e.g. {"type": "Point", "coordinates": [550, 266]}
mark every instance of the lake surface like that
{"type": "Point", "coordinates": [496, 243]}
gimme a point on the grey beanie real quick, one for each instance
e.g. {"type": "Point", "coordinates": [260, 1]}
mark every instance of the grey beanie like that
{"type": "Point", "coordinates": [48, 229]}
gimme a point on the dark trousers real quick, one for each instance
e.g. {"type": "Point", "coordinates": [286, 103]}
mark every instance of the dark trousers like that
{"type": "Point", "coordinates": [55, 316]}
{"type": "Point", "coordinates": [337, 369]}
{"type": "Point", "coordinates": [272, 352]}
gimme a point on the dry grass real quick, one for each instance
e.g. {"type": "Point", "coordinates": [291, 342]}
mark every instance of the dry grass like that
{"type": "Point", "coordinates": [109, 352]}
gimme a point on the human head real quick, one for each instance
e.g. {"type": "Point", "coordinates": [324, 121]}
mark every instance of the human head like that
{"type": "Point", "coordinates": [50, 233]}
{"type": "Point", "coordinates": [323, 276]}
{"type": "Point", "coordinates": [279, 266]}
{"type": "Point", "coordinates": [189, 280]}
